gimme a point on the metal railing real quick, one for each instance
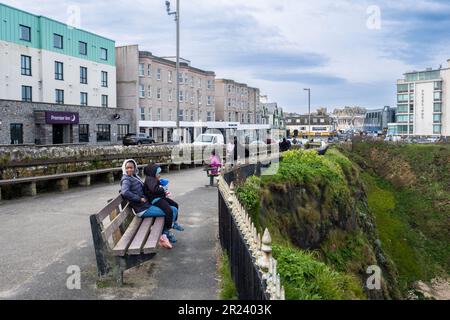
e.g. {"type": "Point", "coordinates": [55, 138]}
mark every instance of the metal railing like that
{"type": "Point", "coordinates": [253, 269]}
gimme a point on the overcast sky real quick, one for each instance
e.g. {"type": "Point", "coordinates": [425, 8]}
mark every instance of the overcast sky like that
{"type": "Point", "coordinates": [347, 52]}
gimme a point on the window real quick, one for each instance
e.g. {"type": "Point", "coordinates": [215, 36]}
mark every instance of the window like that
{"type": "Point", "coordinates": [210, 85]}
{"type": "Point", "coordinates": [104, 79]}
{"type": "Point", "coordinates": [122, 131]}
{"type": "Point", "coordinates": [141, 69]}
{"type": "Point", "coordinates": [103, 133]}
{"type": "Point", "coordinates": [170, 114]}
{"type": "Point", "coordinates": [25, 33]}
{"type": "Point", "coordinates": [229, 117]}
{"type": "Point", "coordinates": [249, 118]}
{"type": "Point", "coordinates": [58, 41]}
{"type": "Point", "coordinates": [142, 114]}
{"type": "Point", "coordinates": [84, 99]}
{"type": "Point", "coordinates": [437, 96]}
{"type": "Point", "coordinates": [437, 118]}
{"type": "Point", "coordinates": [141, 91]}
{"type": "Point", "coordinates": [150, 114]}
{"type": "Point", "coordinates": [27, 95]}
{"type": "Point", "coordinates": [59, 96]}
{"type": "Point", "coordinates": [402, 88]}
{"type": "Point", "coordinates": [103, 54]}
{"type": "Point", "coordinates": [150, 95]}
{"type": "Point", "coordinates": [169, 76]}
{"type": "Point", "coordinates": [158, 93]}
{"type": "Point", "coordinates": [104, 101]}
{"type": "Point", "coordinates": [438, 86]}
{"type": "Point", "coordinates": [16, 132]}
{"type": "Point", "coordinates": [181, 96]}
{"type": "Point", "coordinates": [437, 129]}
{"type": "Point", "coordinates": [402, 98]}
{"type": "Point", "coordinates": [209, 116]}
{"type": "Point", "coordinates": [402, 108]}
{"type": "Point", "coordinates": [83, 75]}
{"type": "Point", "coordinates": [83, 133]}
{"type": "Point", "coordinates": [192, 115]}
{"type": "Point", "coordinates": [25, 65]}
{"type": "Point", "coordinates": [149, 70]}
{"type": "Point", "coordinates": [192, 99]}
{"type": "Point", "coordinates": [181, 115]}
{"type": "Point", "coordinates": [82, 48]}
{"type": "Point", "coordinates": [402, 119]}
{"type": "Point", "coordinates": [437, 107]}
{"type": "Point", "coordinates": [210, 100]}
{"type": "Point", "coordinates": [59, 70]}
{"type": "Point", "coordinates": [158, 74]}
{"type": "Point", "coordinates": [170, 94]}
{"type": "Point", "coordinates": [199, 82]}
{"type": "Point", "coordinates": [143, 130]}
{"type": "Point", "coordinates": [159, 115]}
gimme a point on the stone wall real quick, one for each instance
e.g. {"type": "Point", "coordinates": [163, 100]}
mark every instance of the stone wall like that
{"type": "Point", "coordinates": [32, 161]}
{"type": "Point", "coordinates": [18, 112]}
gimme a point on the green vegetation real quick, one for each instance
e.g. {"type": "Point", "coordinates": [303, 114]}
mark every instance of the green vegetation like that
{"type": "Point", "coordinates": [305, 278]}
{"type": "Point", "coordinates": [227, 288]}
{"type": "Point", "coordinates": [408, 194]}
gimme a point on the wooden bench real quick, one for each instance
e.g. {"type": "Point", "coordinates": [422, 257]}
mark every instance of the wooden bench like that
{"type": "Point", "coordinates": [210, 175]}
{"type": "Point", "coordinates": [122, 240]}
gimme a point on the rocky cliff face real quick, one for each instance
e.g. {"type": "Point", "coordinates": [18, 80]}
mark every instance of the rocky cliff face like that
{"type": "Point", "coordinates": [319, 204]}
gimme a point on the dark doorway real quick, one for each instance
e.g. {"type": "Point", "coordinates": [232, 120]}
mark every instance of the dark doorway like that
{"type": "Point", "coordinates": [58, 134]}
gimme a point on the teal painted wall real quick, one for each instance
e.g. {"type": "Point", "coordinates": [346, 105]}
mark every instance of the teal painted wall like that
{"type": "Point", "coordinates": [42, 30]}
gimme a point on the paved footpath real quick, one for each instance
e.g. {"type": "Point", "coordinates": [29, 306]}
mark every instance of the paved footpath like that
{"type": "Point", "coordinates": [41, 237]}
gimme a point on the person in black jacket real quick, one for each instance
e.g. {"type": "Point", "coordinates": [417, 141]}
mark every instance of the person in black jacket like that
{"type": "Point", "coordinates": [156, 195]}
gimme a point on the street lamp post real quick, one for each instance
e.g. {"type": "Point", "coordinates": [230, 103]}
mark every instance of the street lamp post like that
{"type": "Point", "coordinates": [309, 109]}
{"type": "Point", "coordinates": [177, 20]}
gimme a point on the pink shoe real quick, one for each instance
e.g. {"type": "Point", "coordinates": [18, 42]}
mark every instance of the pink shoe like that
{"type": "Point", "coordinates": [164, 242]}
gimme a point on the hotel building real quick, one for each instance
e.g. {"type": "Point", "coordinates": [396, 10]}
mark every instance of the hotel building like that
{"type": "Point", "coordinates": [43, 61]}
{"type": "Point", "coordinates": [423, 103]}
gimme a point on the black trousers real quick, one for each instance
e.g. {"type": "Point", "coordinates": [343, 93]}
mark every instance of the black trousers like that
{"type": "Point", "coordinates": [165, 205]}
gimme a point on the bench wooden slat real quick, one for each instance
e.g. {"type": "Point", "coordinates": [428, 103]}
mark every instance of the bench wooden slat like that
{"type": "Point", "coordinates": [121, 247]}
{"type": "Point", "coordinates": [115, 224]}
{"type": "Point", "coordinates": [110, 207]}
{"type": "Point", "coordinates": [141, 236]}
{"type": "Point", "coordinates": [153, 239]}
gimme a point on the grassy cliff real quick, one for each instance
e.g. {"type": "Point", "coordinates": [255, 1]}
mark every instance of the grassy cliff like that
{"type": "Point", "coordinates": [316, 209]}
{"type": "Point", "coordinates": [408, 188]}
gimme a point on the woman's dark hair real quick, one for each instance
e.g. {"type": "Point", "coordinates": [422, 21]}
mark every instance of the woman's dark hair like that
{"type": "Point", "coordinates": [213, 152]}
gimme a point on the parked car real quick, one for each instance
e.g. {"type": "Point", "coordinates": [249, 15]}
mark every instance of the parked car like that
{"type": "Point", "coordinates": [133, 139]}
{"type": "Point", "coordinates": [209, 139]}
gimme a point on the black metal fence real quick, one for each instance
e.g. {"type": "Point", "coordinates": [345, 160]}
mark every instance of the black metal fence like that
{"type": "Point", "coordinates": [245, 273]}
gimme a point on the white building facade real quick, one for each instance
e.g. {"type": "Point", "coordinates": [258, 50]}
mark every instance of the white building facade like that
{"type": "Point", "coordinates": [423, 103]}
{"type": "Point", "coordinates": [46, 61]}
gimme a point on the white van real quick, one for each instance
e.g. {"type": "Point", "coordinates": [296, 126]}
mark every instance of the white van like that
{"type": "Point", "coordinates": [209, 139]}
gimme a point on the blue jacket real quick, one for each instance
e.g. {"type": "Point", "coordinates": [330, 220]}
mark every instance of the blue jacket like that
{"type": "Point", "coordinates": [132, 189]}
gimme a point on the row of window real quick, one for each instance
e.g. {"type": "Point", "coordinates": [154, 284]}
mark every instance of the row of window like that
{"type": "Point", "coordinates": [305, 120]}
{"type": "Point", "coordinates": [58, 42]}
{"type": "Point", "coordinates": [103, 132]}
{"type": "Point", "coordinates": [142, 94]}
{"type": "Point", "coordinates": [233, 103]}
{"type": "Point", "coordinates": [233, 89]}
{"type": "Point", "coordinates": [59, 71]}
{"type": "Point", "coordinates": [235, 117]}
{"type": "Point", "coordinates": [437, 118]}
{"type": "Point", "coordinates": [27, 96]}
{"type": "Point", "coordinates": [183, 116]}
{"type": "Point", "coordinates": [183, 77]}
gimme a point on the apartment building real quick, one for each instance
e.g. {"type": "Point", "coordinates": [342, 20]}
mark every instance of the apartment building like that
{"type": "Point", "coordinates": [147, 84]}
{"type": "Point", "coordinates": [51, 66]}
{"type": "Point", "coordinates": [235, 102]}
{"type": "Point", "coordinates": [423, 103]}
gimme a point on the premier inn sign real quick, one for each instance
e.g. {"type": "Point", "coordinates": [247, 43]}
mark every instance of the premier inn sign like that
{"type": "Point", "coordinates": [61, 117]}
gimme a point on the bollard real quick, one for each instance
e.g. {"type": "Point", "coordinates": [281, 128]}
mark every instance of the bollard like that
{"type": "Point", "coordinates": [29, 189]}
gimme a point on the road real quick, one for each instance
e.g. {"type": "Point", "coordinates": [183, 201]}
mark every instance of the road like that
{"type": "Point", "coordinates": [41, 237]}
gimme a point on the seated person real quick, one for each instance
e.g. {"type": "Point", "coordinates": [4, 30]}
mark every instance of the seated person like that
{"type": "Point", "coordinates": [132, 189]}
{"type": "Point", "coordinates": [157, 196]}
